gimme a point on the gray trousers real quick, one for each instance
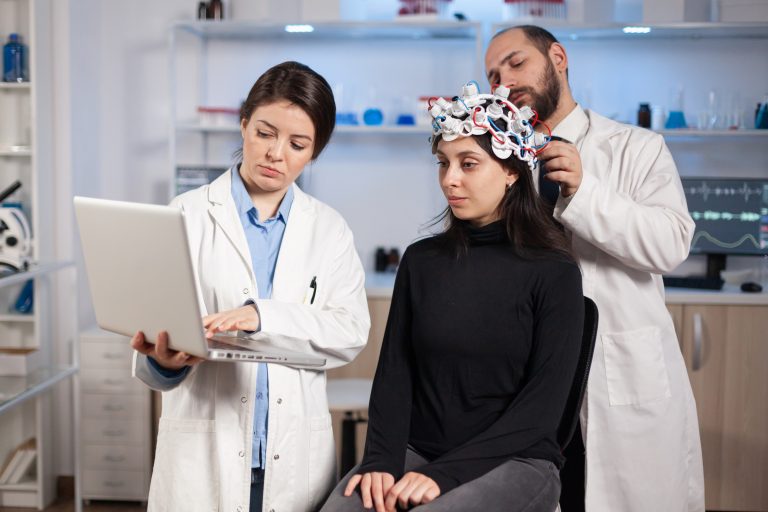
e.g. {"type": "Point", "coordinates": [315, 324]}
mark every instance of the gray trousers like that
{"type": "Point", "coordinates": [519, 485]}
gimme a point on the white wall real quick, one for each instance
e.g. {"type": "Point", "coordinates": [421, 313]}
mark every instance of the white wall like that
{"type": "Point", "coordinates": [113, 111]}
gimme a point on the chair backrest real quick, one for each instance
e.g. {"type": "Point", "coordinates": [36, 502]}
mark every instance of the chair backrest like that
{"type": "Point", "coordinates": [572, 407]}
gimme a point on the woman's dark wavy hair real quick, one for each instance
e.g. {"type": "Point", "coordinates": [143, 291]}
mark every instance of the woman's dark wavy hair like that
{"type": "Point", "coordinates": [301, 86]}
{"type": "Point", "coordinates": [527, 218]}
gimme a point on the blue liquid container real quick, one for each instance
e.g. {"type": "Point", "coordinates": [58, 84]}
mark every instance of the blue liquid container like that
{"type": "Point", "coordinates": [347, 118]}
{"type": "Point", "coordinates": [15, 60]}
{"type": "Point", "coordinates": [761, 118]}
{"type": "Point", "coordinates": [676, 119]}
{"type": "Point", "coordinates": [373, 117]}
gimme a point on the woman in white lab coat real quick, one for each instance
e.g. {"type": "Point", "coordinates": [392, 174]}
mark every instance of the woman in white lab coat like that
{"type": "Point", "coordinates": [207, 432]}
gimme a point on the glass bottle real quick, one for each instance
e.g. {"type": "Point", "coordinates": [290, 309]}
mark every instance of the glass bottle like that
{"type": "Point", "coordinates": [644, 115]}
{"type": "Point", "coordinates": [215, 10]}
{"type": "Point", "coordinates": [15, 60]}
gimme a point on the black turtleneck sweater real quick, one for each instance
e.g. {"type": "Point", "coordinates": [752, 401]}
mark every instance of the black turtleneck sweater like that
{"type": "Point", "coordinates": [478, 357]}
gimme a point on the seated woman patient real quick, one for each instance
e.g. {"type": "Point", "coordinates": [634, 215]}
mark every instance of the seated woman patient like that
{"type": "Point", "coordinates": [483, 334]}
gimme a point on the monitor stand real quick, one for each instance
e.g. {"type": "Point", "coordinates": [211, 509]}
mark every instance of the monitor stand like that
{"type": "Point", "coordinates": [715, 263]}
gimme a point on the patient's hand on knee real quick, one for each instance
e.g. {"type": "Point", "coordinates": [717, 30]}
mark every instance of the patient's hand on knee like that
{"type": "Point", "coordinates": [411, 490]}
{"type": "Point", "coordinates": [373, 489]}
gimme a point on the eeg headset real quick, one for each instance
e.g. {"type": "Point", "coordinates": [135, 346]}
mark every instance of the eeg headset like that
{"type": "Point", "coordinates": [473, 113]}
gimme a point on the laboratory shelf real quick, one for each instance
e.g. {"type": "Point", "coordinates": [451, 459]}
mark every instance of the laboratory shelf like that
{"type": "Point", "coordinates": [201, 128]}
{"type": "Point", "coordinates": [615, 31]}
{"type": "Point", "coordinates": [37, 270]}
{"type": "Point", "coordinates": [11, 152]}
{"type": "Point", "coordinates": [713, 133]}
{"type": "Point", "coordinates": [404, 130]}
{"type": "Point", "coordinates": [19, 318]}
{"type": "Point", "coordinates": [22, 86]}
{"type": "Point", "coordinates": [402, 30]}
{"type": "Point", "coordinates": [17, 389]}
{"type": "Point", "coordinates": [340, 129]}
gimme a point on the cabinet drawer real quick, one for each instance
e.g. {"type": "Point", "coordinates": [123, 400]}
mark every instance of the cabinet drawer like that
{"type": "Point", "coordinates": [116, 406]}
{"type": "Point", "coordinates": [110, 381]}
{"type": "Point", "coordinates": [104, 354]}
{"type": "Point", "coordinates": [113, 432]}
{"type": "Point", "coordinates": [115, 484]}
{"type": "Point", "coordinates": [114, 457]}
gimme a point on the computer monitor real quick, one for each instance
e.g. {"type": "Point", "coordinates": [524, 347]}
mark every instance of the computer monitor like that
{"type": "Point", "coordinates": [731, 216]}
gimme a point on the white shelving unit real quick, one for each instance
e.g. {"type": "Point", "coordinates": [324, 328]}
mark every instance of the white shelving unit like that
{"type": "Point", "coordinates": [659, 76]}
{"type": "Point", "coordinates": [615, 31]}
{"type": "Point", "coordinates": [26, 155]}
{"type": "Point", "coordinates": [204, 34]}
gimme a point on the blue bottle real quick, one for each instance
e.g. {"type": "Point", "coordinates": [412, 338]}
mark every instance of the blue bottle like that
{"type": "Point", "coordinates": [15, 60]}
{"type": "Point", "coordinates": [761, 115]}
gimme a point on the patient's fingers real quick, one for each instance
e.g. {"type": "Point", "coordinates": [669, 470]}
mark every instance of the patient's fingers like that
{"type": "Point", "coordinates": [349, 489]}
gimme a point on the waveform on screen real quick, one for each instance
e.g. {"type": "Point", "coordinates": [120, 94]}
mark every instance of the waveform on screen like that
{"type": "Point", "coordinates": [725, 245]}
{"type": "Point", "coordinates": [726, 216]}
{"type": "Point", "coordinates": [705, 191]}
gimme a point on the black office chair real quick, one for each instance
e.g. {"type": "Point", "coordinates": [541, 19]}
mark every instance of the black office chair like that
{"type": "Point", "coordinates": [572, 474]}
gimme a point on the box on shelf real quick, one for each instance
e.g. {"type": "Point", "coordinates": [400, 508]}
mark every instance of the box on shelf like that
{"type": "Point", "coordinates": [742, 10]}
{"type": "Point", "coordinates": [590, 11]}
{"type": "Point", "coordinates": [673, 11]}
{"type": "Point", "coordinates": [19, 361]}
{"type": "Point", "coordinates": [218, 116]}
{"type": "Point", "coordinates": [18, 463]}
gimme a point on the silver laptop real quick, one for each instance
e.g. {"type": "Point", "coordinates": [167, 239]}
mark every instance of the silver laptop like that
{"type": "Point", "coordinates": [141, 278]}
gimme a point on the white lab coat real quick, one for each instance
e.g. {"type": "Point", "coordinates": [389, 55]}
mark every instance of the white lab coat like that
{"type": "Point", "coordinates": [629, 224]}
{"type": "Point", "coordinates": [203, 456]}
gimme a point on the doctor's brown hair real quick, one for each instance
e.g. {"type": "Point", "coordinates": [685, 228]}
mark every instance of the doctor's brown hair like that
{"type": "Point", "coordinates": [301, 86]}
{"type": "Point", "coordinates": [527, 218]}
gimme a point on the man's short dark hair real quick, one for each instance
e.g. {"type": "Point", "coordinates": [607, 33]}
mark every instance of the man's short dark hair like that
{"type": "Point", "coordinates": [541, 38]}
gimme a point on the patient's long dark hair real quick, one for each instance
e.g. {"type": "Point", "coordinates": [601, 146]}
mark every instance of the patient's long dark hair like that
{"type": "Point", "coordinates": [527, 218]}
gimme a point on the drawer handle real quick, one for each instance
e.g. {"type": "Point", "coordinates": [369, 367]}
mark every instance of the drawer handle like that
{"type": "Point", "coordinates": [114, 458]}
{"type": "Point", "coordinates": [111, 355]}
{"type": "Point", "coordinates": [698, 341]}
{"type": "Point", "coordinates": [113, 408]}
{"type": "Point", "coordinates": [112, 483]}
{"type": "Point", "coordinates": [113, 382]}
{"type": "Point", "coordinates": [114, 433]}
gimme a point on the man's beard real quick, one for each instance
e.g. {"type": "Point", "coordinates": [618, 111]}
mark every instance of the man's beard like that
{"type": "Point", "coordinates": [544, 102]}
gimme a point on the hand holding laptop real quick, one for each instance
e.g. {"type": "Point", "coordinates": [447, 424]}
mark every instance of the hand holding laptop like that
{"type": "Point", "coordinates": [160, 352]}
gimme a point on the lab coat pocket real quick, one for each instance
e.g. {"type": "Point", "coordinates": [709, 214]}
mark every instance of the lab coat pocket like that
{"type": "Point", "coordinates": [635, 367]}
{"type": "Point", "coordinates": [186, 474]}
{"type": "Point", "coordinates": [322, 460]}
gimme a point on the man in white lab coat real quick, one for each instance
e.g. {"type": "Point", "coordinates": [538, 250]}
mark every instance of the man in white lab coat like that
{"type": "Point", "coordinates": [622, 203]}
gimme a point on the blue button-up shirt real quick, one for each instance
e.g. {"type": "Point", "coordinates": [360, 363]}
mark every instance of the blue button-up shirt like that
{"type": "Point", "coordinates": [264, 239]}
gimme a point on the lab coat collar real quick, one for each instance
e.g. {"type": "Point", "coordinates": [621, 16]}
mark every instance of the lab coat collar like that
{"type": "Point", "coordinates": [573, 127]}
{"type": "Point", "coordinates": [224, 212]}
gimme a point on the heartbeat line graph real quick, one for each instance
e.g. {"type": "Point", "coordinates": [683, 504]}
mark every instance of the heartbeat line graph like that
{"type": "Point", "coordinates": [725, 245]}
{"type": "Point", "coordinates": [727, 216]}
{"type": "Point", "coordinates": [704, 190]}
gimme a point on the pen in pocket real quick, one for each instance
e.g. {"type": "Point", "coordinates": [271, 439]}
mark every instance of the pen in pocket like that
{"type": "Point", "coordinates": [311, 290]}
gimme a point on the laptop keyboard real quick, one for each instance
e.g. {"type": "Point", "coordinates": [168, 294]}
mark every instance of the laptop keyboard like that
{"type": "Point", "coordinates": [220, 345]}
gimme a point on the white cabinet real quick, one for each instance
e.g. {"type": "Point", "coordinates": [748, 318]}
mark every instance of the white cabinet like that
{"type": "Point", "coordinates": [33, 343]}
{"type": "Point", "coordinates": [115, 421]}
